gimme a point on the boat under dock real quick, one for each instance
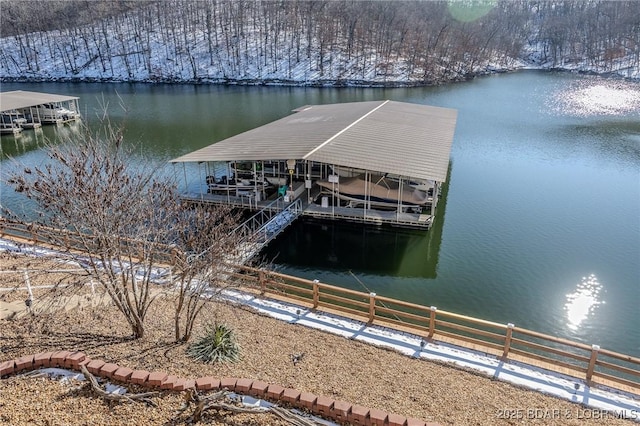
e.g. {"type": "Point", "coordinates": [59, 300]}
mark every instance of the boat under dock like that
{"type": "Point", "coordinates": [277, 203]}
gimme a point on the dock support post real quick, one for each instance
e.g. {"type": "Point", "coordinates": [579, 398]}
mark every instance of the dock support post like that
{"type": "Point", "coordinates": [507, 341]}
{"type": "Point", "coordinates": [372, 307]}
{"type": "Point", "coordinates": [263, 282]}
{"type": "Point", "coordinates": [432, 321]}
{"type": "Point", "coordinates": [592, 362]}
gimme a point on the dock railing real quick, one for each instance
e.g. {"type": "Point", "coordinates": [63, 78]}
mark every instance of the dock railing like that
{"type": "Point", "coordinates": [506, 342]}
{"type": "Point", "coordinates": [269, 221]}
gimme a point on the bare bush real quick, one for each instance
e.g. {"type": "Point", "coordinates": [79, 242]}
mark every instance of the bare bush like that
{"type": "Point", "coordinates": [123, 222]}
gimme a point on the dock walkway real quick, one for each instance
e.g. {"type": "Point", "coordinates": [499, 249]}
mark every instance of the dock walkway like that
{"type": "Point", "coordinates": [257, 231]}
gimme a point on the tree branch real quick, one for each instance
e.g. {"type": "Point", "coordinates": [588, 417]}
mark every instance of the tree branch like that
{"type": "Point", "coordinates": [138, 397]}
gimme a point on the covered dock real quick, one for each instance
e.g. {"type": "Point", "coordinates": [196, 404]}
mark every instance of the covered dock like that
{"type": "Point", "coordinates": [380, 162]}
{"type": "Point", "coordinates": [23, 109]}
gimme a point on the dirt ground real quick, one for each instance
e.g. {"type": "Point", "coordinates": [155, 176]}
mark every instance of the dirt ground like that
{"type": "Point", "coordinates": [332, 366]}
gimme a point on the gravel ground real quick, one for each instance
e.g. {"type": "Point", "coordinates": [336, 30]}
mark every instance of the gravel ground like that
{"type": "Point", "coordinates": [332, 366]}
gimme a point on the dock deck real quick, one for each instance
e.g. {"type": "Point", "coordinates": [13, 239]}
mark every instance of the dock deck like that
{"type": "Point", "coordinates": [308, 209]}
{"type": "Point", "coordinates": [377, 217]}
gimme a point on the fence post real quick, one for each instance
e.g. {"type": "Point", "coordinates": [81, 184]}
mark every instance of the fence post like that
{"type": "Point", "coordinates": [173, 257]}
{"type": "Point", "coordinates": [507, 341]}
{"type": "Point", "coordinates": [592, 361]}
{"type": "Point", "coordinates": [27, 282]}
{"type": "Point", "coordinates": [263, 282]}
{"type": "Point", "coordinates": [140, 250]}
{"type": "Point", "coordinates": [372, 307]}
{"type": "Point", "coordinates": [316, 294]}
{"type": "Point", "coordinates": [432, 321]}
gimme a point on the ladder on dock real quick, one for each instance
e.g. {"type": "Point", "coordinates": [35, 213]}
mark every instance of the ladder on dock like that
{"type": "Point", "coordinates": [257, 231]}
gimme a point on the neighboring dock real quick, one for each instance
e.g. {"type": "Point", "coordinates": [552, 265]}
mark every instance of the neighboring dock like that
{"type": "Point", "coordinates": [30, 110]}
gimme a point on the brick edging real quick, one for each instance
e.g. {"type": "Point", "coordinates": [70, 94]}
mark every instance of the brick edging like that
{"type": "Point", "coordinates": [339, 411]}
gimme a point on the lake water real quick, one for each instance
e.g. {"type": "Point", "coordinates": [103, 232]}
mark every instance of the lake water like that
{"type": "Point", "coordinates": [541, 225]}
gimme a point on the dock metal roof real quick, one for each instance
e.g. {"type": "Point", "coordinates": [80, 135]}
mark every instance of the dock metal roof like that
{"type": "Point", "coordinates": [24, 99]}
{"type": "Point", "coordinates": [401, 138]}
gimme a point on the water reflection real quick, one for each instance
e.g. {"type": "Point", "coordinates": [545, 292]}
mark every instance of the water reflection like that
{"type": "Point", "coordinates": [30, 140]}
{"type": "Point", "coordinates": [583, 301]}
{"type": "Point", "coordinates": [597, 97]}
{"type": "Point", "coordinates": [14, 145]}
{"type": "Point", "coordinates": [344, 247]}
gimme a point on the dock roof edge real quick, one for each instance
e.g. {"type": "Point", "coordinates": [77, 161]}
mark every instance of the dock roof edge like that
{"type": "Point", "coordinates": [401, 138]}
{"type": "Point", "coordinates": [23, 99]}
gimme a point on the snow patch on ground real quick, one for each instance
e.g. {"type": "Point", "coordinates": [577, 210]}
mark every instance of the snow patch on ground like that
{"type": "Point", "coordinates": [619, 403]}
{"type": "Point", "coordinates": [194, 62]}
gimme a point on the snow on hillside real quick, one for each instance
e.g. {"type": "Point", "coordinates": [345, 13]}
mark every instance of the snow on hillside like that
{"type": "Point", "coordinates": [115, 54]}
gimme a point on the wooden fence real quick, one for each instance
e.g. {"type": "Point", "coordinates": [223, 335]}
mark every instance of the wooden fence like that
{"type": "Point", "coordinates": [72, 241]}
{"type": "Point", "coordinates": [505, 341]}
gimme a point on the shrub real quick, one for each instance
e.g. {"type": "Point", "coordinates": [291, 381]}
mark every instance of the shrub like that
{"type": "Point", "coordinates": [219, 344]}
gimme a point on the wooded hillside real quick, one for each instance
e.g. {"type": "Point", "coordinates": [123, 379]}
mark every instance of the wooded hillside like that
{"type": "Point", "coordinates": [339, 42]}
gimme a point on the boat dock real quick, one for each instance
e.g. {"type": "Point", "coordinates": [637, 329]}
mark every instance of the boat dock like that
{"type": "Point", "coordinates": [376, 163]}
{"type": "Point", "coordinates": [30, 110]}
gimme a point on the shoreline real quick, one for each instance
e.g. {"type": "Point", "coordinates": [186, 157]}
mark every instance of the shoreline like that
{"type": "Point", "coordinates": [326, 83]}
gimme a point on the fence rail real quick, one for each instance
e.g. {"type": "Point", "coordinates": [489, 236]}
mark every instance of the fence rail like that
{"type": "Point", "coordinates": [74, 241]}
{"type": "Point", "coordinates": [505, 341]}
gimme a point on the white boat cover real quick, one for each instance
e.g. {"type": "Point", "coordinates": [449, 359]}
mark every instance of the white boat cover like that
{"type": "Point", "coordinates": [378, 187]}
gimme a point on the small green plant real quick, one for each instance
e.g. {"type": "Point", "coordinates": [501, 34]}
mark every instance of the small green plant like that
{"type": "Point", "coordinates": [219, 344]}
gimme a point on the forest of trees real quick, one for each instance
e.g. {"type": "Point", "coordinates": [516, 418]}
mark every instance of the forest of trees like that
{"type": "Point", "coordinates": [346, 41]}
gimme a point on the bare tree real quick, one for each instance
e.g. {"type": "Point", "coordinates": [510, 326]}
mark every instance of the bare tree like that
{"type": "Point", "coordinates": [124, 222]}
{"type": "Point", "coordinates": [207, 243]}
